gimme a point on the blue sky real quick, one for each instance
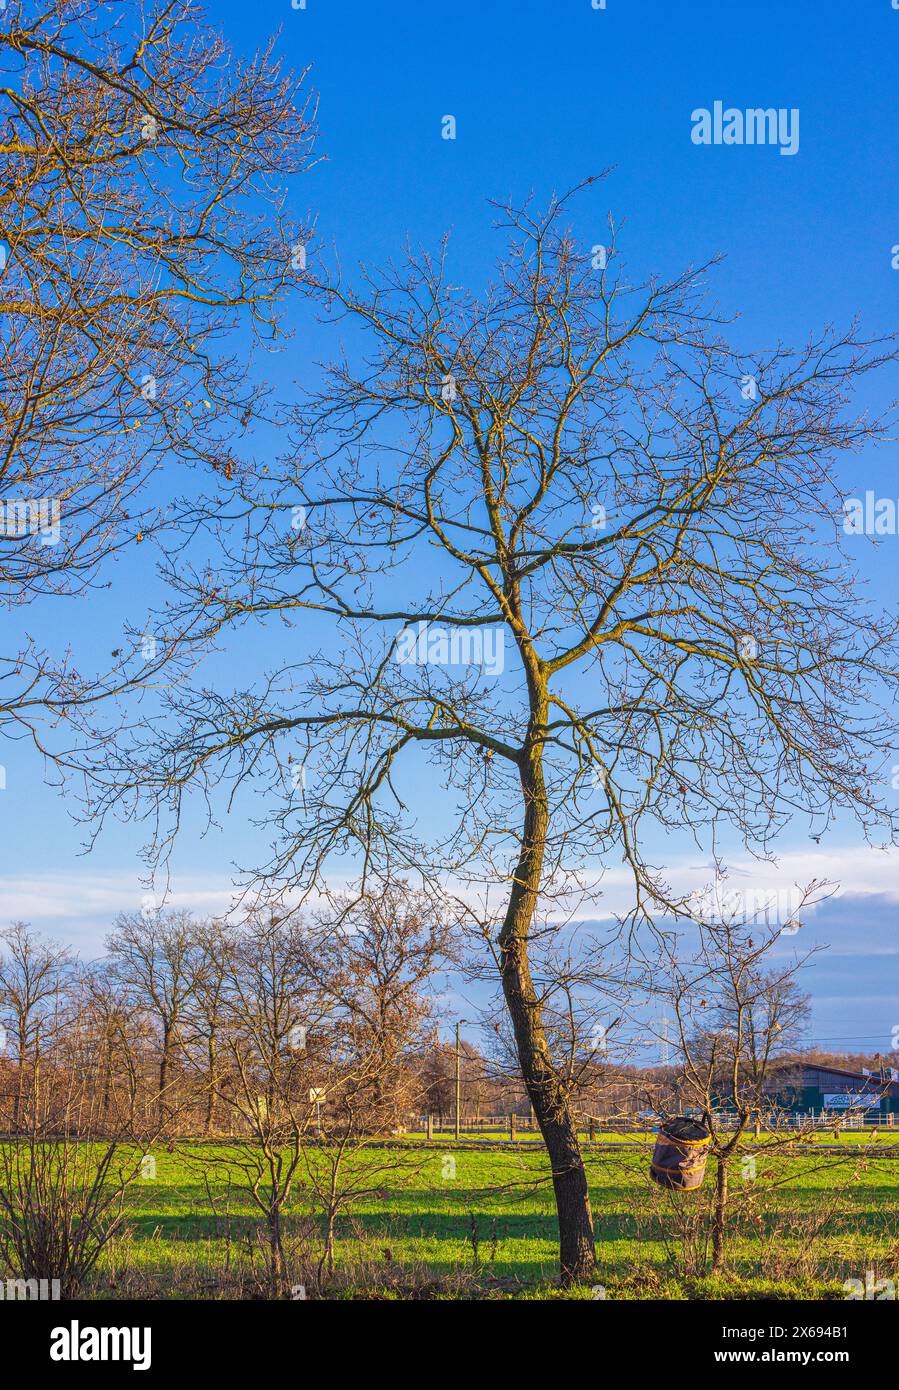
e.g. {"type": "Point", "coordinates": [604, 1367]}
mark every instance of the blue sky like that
{"type": "Point", "coordinates": [544, 94]}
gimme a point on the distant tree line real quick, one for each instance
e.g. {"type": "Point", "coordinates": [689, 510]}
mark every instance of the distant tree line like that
{"type": "Point", "coordinates": [205, 1026]}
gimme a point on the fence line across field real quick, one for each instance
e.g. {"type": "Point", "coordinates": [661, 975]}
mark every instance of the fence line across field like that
{"type": "Point", "coordinates": [512, 1125]}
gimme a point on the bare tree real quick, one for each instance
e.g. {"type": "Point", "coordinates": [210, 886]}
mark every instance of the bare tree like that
{"type": "Point", "coordinates": [123, 1040]}
{"type": "Point", "coordinates": [343, 1167]}
{"type": "Point", "coordinates": [563, 582]}
{"type": "Point", "coordinates": [375, 958]}
{"type": "Point", "coordinates": [214, 952]}
{"type": "Point", "coordinates": [735, 1018]}
{"type": "Point", "coordinates": [437, 1071]}
{"type": "Point", "coordinates": [275, 1022]}
{"type": "Point", "coordinates": [141, 221]}
{"type": "Point", "coordinates": [64, 1180]}
{"type": "Point", "coordinates": [154, 960]}
{"type": "Point", "coordinates": [33, 976]}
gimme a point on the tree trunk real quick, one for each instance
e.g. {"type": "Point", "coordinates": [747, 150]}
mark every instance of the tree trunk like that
{"type": "Point", "coordinates": [276, 1251]}
{"type": "Point", "coordinates": [326, 1262]}
{"type": "Point", "coordinates": [21, 1046]}
{"type": "Point", "coordinates": [329, 1242]}
{"type": "Point", "coordinates": [720, 1216]}
{"type": "Point", "coordinates": [107, 1079]}
{"type": "Point", "coordinates": [163, 1073]}
{"type": "Point", "coordinates": [213, 1081]}
{"type": "Point", "coordinates": [577, 1253]}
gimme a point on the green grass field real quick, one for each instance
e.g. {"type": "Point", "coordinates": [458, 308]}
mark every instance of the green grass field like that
{"type": "Point", "coordinates": [475, 1222]}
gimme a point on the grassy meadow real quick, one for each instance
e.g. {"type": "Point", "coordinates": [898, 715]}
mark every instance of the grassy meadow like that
{"type": "Point", "coordinates": [457, 1222]}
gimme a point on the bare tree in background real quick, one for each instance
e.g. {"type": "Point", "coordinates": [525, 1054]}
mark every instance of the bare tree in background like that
{"type": "Point", "coordinates": [571, 575]}
{"type": "Point", "coordinates": [585, 995]}
{"type": "Point", "coordinates": [33, 978]}
{"type": "Point", "coordinates": [437, 1072]}
{"type": "Point", "coordinates": [215, 960]}
{"type": "Point", "coordinates": [123, 1042]}
{"type": "Point", "coordinates": [273, 1012]}
{"type": "Point", "coordinates": [142, 220]}
{"type": "Point", "coordinates": [153, 959]}
{"type": "Point", "coordinates": [64, 1180]}
{"type": "Point", "coordinates": [735, 1015]}
{"type": "Point", "coordinates": [376, 957]}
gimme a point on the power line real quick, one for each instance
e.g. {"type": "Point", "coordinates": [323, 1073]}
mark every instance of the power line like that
{"type": "Point", "coordinates": [849, 1037]}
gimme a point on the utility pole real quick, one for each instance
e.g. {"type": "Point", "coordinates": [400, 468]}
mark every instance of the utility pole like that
{"type": "Point", "coordinates": [664, 1049]}
{"type": "Point", "coordinates": [458, 1076]}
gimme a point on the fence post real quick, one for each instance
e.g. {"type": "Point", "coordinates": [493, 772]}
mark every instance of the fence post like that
{"type": "Point", "coordinates": [430, 1126]}
{"type": "Point", "coordinates": [512, 1118]}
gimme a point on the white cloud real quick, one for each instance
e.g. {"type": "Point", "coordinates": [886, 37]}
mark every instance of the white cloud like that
{"type": "Point", "coordinates": [857, 871]}
{"type": "Point", "coordinates": [80, 907]}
